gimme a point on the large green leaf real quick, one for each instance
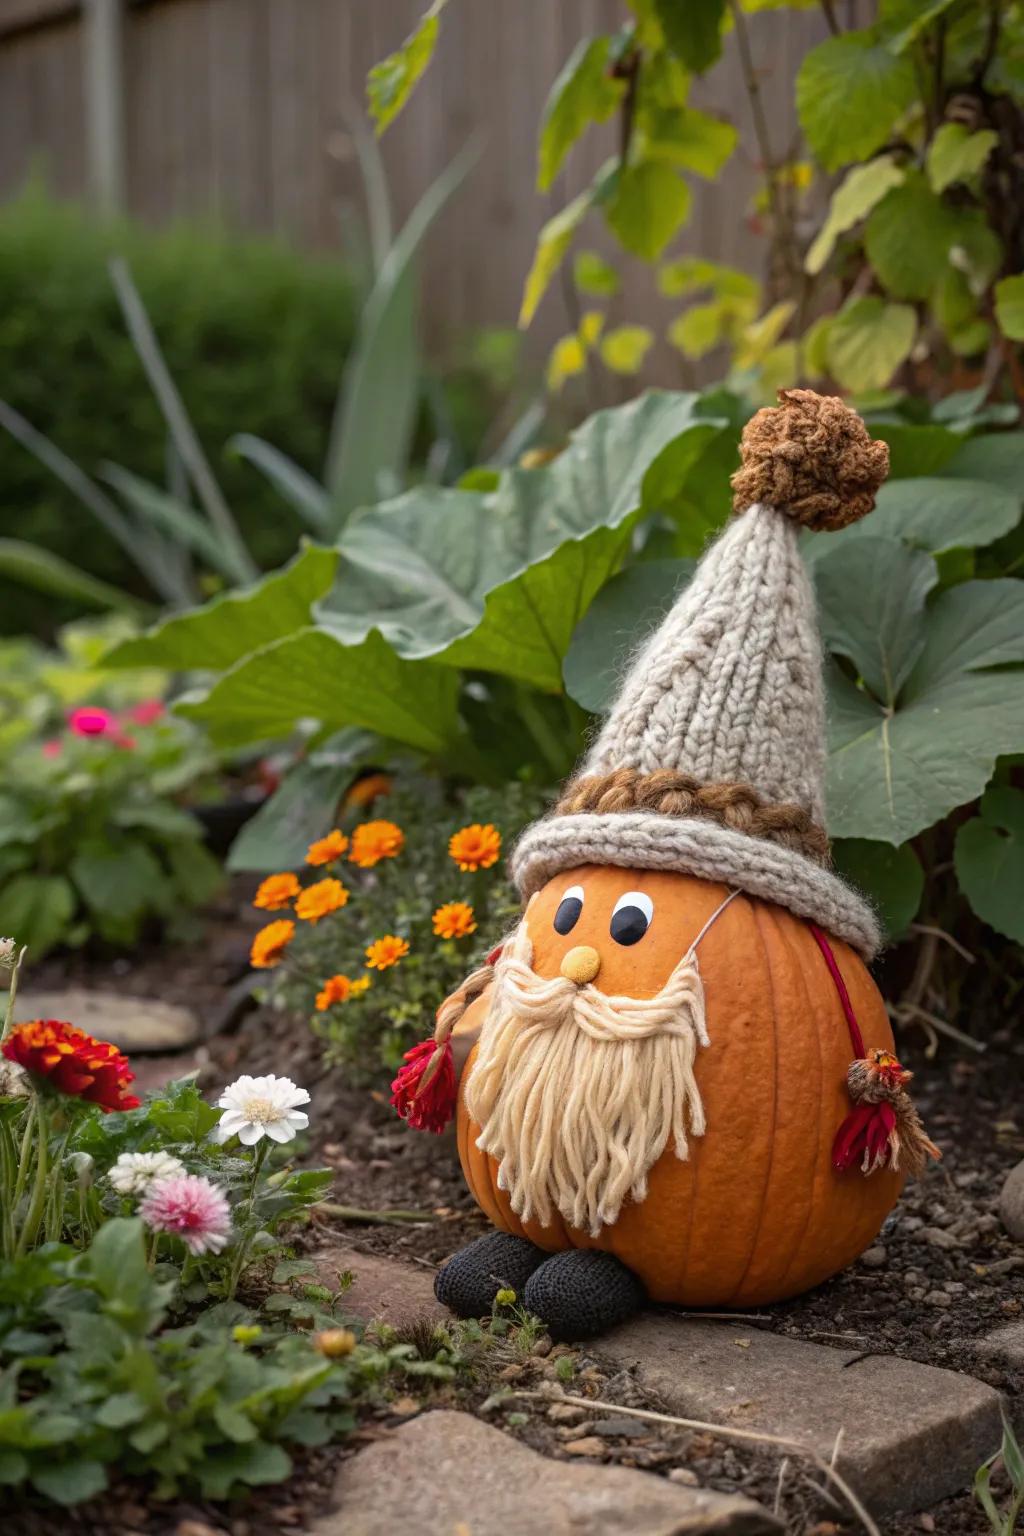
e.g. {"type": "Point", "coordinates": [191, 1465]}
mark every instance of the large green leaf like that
{"type": "Point", "coordinates": [36, 910]}
{"type": "Point", "coordinates": [877, 624]}
{"type": "Point", "coordinates": [374, 417]}
{"type": "Point", "coordinates": [914, 450]}
{"type": "Point", "coordinates": [929, 513]}
{"type": "Point", "coordinates": [223, 631]}
{"type": "Point", "coordinates": [910, 234]}
{"type": "Point", "coordinates": [420, 568]}
{"type": "Point", "coordinates": [997, 457]}
{"type": "Point", "coordinates": [892, 878]}
{"type": "Point", "coordinates": [553, 243]}
{"type": "Point", "coordinates": [391, 82]}
{"type": "Point", "coordinates": [690, 139]}
{"type": "Point", "coordinates": [957, 154]}
{"type": "Point", "coordinates": [1010, 307]}
{"type": "Point", "coordinates": [858, 192]}
{"type": "Point", "coordinates": [583, 93]}
{"type": "Point", "coordinates": [849, 93]}
{"type": "Point", "coordinates": [117, 883]}
{"type": "Point", "coordinates": [989, 858]}
{"type": "Point", "coordinates": [868, 340]}
{"type": "Point", "coordinates": [624, 612]}
{"type": "Point", "coordinates": [648, 204]}
{"type": "Point", "coordinates": [894, 770]}
{"type": "Point", "coordinates": [692, 29]}
{"type": "Point", "coordinates": [312, 675]}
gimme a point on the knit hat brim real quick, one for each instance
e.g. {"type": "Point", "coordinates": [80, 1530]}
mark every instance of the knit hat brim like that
{"type": "Point", "coordinates": [693, 846]}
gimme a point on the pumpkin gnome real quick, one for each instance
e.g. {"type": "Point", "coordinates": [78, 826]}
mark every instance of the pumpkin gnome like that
{"type": "Point", "coordinates": [681, 1083]}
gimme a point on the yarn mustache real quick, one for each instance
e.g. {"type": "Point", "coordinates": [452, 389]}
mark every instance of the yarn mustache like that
{"type": "Point", "coordinates": [579, 1093]}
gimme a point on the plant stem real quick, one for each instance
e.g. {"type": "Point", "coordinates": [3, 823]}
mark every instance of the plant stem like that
{"type": "Point", "coordinates": [33, 1216]}
{"type": "Point", "coordinates": [357, 1213]}
{"type": "Point", "coordinates": [12, 993]}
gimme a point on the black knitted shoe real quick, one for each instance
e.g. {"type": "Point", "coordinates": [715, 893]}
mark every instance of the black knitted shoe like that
{"type": "Point", "coordinates": [582, 1292]}
{"type": "Point", "coordinates": [471, 1279]}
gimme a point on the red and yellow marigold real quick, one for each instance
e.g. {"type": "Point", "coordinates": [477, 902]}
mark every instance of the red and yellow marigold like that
{"type": "Point", "coordinates": [338, 989]}
{"type": "Point", "coordinates": [69, 1061]}
{"type": "Point", "coordinates": [475, 847]}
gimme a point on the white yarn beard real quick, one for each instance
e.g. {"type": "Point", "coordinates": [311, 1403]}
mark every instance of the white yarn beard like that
{"type": "Point", "coordinates": [577, 1094]}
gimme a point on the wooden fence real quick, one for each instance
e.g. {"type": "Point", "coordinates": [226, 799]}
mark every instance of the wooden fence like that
{"type": "Point", "coordinates": [238, 108]}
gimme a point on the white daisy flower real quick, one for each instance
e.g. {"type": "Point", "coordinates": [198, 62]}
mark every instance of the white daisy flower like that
{"type": "Point", "coordinates": [134, 1172]}
{"type": "Point", "coordinates": [255, 1107]}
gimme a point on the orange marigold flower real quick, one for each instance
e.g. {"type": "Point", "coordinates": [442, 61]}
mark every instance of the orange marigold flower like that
{"type": "Point", "coordinates": [326, 849]}
{"type": "Point", "coordinates": [386, 951]}
{"type": "Point", "coordinates": [336, 989]}
{"type": "Point", "coordinates": [320, 899]}
{"type": "Point", "coordinates": [270, 943]}
{"type": "Point", "coordinates": [454, 920]}
{"type": "Point", "coordinates": [475, 847]}
{"type": "Point", "coordinates": [376, 840]}
{"type": "Point", "coordinates": [72, 1062]}
{"type": "Point", "coordinates": [277, 891]}
{"type": "Point", "coordinates": [368, 789]}
{"type": "Point", "coordinates": [361, 985]}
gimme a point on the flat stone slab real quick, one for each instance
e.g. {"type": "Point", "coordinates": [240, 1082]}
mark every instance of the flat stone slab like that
{"type": "Point", "coordinates": [1011, 1204]}
{"type": "Point", "coordinates": [911, 1434]}
{"type": "Point", "coordinates": [447, 1473]}
{"type": "Point", "coordinates": [131, 1023]}
{"type": "Point", "coordinates": [1003, 1344]}
{"type": "Point", "coordinates": [382, 1289]}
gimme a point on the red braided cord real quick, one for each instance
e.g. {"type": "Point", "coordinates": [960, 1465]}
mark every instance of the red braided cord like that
{"type": "Point", "coordinates": [856, 1038]}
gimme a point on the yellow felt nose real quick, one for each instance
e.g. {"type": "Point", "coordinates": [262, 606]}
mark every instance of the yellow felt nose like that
{"type": "Point", "coordinates": [581, 964]}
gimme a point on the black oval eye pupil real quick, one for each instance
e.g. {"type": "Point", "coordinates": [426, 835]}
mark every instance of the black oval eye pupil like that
{"type": "Point", "coordinates": [568, 914]}
{"type": "Point", "coordinates": [628, 925]}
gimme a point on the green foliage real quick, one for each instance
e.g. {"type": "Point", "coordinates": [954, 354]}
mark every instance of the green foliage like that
{"type": "Point", "coordinates": [849, 94]}
{"type": "Point", "coordinates": [1003, 1521]}
{"type": "Point", "coordinates": [93, 838]}
{"type": "Point", "coordinates": [990, 860]}
{"type": "Point", "coordinates": [220, 308]}
{"type": "Point", "coordinates": [584, 93]}
{"type": "Point", "coordinates": [370, 1029]}
{"type": "Point", "coordinates": [391, 82]}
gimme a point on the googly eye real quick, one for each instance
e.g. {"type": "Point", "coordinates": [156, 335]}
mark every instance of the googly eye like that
{"type": "Point", "coordinates": [631, 917]}
{"type": "Point", "coordinates": [569, 909]}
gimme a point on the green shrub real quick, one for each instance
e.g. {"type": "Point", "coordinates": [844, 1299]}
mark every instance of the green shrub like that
{"type": "Point", "coordinates": [254, 334]}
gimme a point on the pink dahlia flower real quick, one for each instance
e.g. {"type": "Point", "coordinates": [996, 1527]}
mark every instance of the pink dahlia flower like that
{"type": "Point", "coordinates": [190, 1207]}
{"type": "Point", "coordinates": [89, 721]}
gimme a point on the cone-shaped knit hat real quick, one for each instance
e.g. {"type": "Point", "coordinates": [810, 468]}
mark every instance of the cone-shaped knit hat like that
{"type": "Point", "coordinates": [712, 759]}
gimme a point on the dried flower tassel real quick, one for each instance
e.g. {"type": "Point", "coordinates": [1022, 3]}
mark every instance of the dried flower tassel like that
{"type": "Point", "coordinates": [883, 1126]}
{"type": "Point", "coordinates": [425, 1092]}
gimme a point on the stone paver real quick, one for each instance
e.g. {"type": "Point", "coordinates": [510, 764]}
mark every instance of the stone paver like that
{"type": "Point", "coordinates": [381, 1288]}
{"type": "Point", "coordinates": [1003, 1344]}
{"type": "Point", "coordinates": [1011, 1205]}
{"type": "Point", "coordinates": [912, 1434]}
{"type": "Point", "coordinates": [448, 1472]}
{"type": "Point", "coordinates": [130, 1023]}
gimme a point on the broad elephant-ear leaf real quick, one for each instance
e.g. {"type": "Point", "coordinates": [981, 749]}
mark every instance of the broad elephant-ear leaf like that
{"type": "Point", "coordinates": [304, 806]}
{"type": "Point", "coordinates": [891, 878]}
{"type": "Point", "coordinates": [625, 611]}
{"type": "Point", "coordinates": [311, 675]}
{"type": "Point", "coordinates": [933, 513]}
{"type": "Point", "coordinates": [420, 569]}
{"type": "Point", "coordinates": [223, 631]}
{"type": "Point", "coordinates": [897, 767]}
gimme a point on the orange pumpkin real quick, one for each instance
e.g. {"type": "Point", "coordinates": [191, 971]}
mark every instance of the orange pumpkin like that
{"type": "Point", "coordinates": [756, 1213]}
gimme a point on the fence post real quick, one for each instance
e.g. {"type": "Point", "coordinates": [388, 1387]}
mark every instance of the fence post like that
{"type": "Point", "coordinates": [104, 103]}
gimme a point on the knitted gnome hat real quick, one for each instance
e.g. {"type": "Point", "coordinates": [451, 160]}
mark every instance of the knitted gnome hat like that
{"type": "Point", "coordinates": [712, 759]}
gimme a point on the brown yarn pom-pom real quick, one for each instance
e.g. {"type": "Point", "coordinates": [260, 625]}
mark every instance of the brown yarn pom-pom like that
{"type": "Point", "coordinates": [810, 457]}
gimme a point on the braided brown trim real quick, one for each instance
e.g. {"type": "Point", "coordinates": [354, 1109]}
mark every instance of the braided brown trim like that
{"type": "Point", "coordinates": [736, 806]}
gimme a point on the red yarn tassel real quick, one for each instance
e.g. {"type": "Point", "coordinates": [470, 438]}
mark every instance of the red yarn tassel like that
{"type": "Point", "coordinates": [865, 1137]}
{"type": "Point", "coordinates": [425, 1093]}
{"type": "Point", "coordinates": [883, 1127]}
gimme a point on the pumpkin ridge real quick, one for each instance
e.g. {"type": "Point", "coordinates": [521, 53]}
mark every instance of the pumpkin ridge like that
{"type": "Point", "coordinates": [759, 915]}
{"type": "Point", "coordinates": [820, 1166]}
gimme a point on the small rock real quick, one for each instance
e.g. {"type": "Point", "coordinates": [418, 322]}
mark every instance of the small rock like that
{"type": "Point", "coordinates": [1005, 1343]}
{"type": "Point", "coordinates": [590, 1445]}
{"type": "Point", "coordinates": [512, 1373]}
{"type": "Point", "coordinates": [404, 1407]}
{"type": "Point", "coordinates": [988, 1223]}
{"type": "Point", "coordinates": [912, 1277]}
{"type": "Point", "coordinates": [566, 1413]}
{"type": "Point", "coordinates": [875, 1258]}
{"type": "Point", "coordinates": [937, 1237]}
{"type": "Point", "coordinates": [926, 1522]}
{"type": "Point", "coordinates": [938, 1299]}
{"type": "Point", "coordinates": [1007, 1266]}
{"type": "Point", "coordinates": [133, 1024]}
{"type": "Point", "coordinates": [197, 1528]}
{"type": "Point", "coordinates": [628, 1429]}
{"type": "Point", "coordinates": [1011, 1204]}
{"type": "Point", "coordinates": [954, 1287]}
{"type": "Point", "coordinates": [542, 1346]}
{"type": "Point", "coordinates": [575, 1431]}
{"type": "Point", "coordinates": [685, 1476]}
